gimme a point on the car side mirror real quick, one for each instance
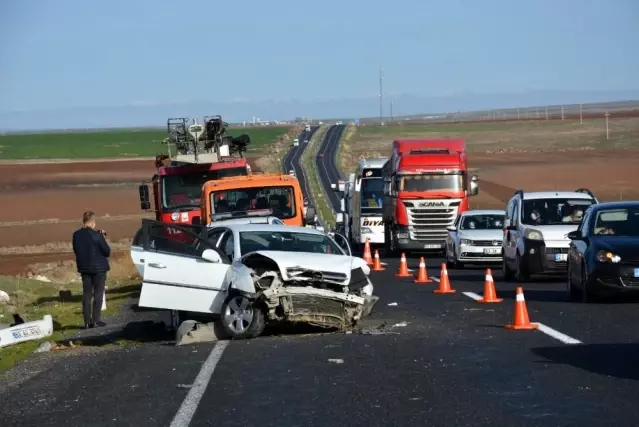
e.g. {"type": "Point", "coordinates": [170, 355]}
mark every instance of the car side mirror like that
{"type": "Point", "coordinates": [339, 218]}
{"type": "Point", "coordinates": [309, 217]}
{"type": "Point", "coordinates": [474, 185]}
{"type": "Point", "coordinates": [451, 228]}
{"type": "Point", "coordinates": [575, 235]}
{"type": "Point", "coordinates": [145, 202]}
{"type": "Point", "coordinates": [211, 256]}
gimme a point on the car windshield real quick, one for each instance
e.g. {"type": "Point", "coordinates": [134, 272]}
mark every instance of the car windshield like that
{"type": "Point", "coordinates": [185, 190]}
{"type": "Point", "coordinates": [482, 222]}
{"type": "Point", "coordinates": [287, 241]}
{"type": "Point", "coordinates": [554, 211]}
{"type": "Point", "coordinates": [280, 200]}
{"type": "Point", "coordinates": [617, 222]}
{"type": "Point", "coordinates": [429, 182]}
{"type": "Point", "coordinates": [372, 195]}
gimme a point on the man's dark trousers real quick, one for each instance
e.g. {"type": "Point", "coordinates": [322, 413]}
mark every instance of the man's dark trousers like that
{"type": "Point", "coordinates": [93, 285]}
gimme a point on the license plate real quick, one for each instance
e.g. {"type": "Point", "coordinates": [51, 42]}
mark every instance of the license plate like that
{"type": "Point", "coordinates": [27, 332]}
{"type": "Point", "coordinates": [636, 272]}
{"type": "Point", "coordinates": [561, 257]}
{"type": "Point", "coordinates": [492, 251]}
{"type": "Point", "coordinates": [432, 246]}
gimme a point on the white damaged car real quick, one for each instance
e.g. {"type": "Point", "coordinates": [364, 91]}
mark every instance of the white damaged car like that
{"type": "Point", "coordinates": [246, 275]}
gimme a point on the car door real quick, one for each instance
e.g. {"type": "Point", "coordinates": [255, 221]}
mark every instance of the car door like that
{"type": "Point", "coordinates": [451, 239]}
{"type": "Point", "coordinates": [577, 250]}
{"type": "Point", "coordinates": [176, 276]}
{"type": "Point", "coordinates": [510, 240]}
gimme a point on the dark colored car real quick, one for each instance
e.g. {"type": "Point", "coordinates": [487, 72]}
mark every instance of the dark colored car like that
{"type": "Point", "coordinates": [603, 258]}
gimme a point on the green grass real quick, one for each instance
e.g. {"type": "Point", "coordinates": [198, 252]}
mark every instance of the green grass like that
{"type": "Point", "coordinates": [113, 143]}
{"type": "Point", "coordinates": [453, 127]}
{"type": "Point", "coordinates": [34, 299]}
{"type": "Point", "coordinates": [322, 207]}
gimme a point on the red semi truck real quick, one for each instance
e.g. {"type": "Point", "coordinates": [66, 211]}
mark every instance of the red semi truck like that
{"type": "Point", "coordinates": [426, 185]}
{"type": "Point", "coordinates": [202, 153]}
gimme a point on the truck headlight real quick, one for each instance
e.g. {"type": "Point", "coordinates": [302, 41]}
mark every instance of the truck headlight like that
{"type": "Point", "coordinates": [465, 242]}
{"type": "Point", "coordinates": [175, 216]}
{"type": "Point", "coordinates": [402, 235]}
{"type": "Point", "coordinates": [533, 235]}
{"type": "Point", "coordinates": [605, 256]}
{"type": "Point", "coordinates": [366, 230]}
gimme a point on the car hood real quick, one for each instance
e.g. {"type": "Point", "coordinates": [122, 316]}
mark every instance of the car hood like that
{"type": "Point", "coordinates": [481, 234]}
{"type": "Point", "coordinates": [625, 247]}
{"type": "Point", "coordinates": [289, 262]}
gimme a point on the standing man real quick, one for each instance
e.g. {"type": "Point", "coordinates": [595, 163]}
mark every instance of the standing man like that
{"type": "Point", "coordinates": [91, 256]}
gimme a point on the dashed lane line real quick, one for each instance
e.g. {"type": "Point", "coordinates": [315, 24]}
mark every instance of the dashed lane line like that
{"type": "Point", "coordinates": [192, 400]}
{"type": "Point", "coordinates": [553, 333]}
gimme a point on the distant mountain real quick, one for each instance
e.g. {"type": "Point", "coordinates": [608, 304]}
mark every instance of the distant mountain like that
{"type": "Point", "coordinates": [403, 104]}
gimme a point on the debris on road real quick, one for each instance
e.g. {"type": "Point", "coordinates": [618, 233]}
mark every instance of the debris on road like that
{"type": "Point", "coordinates": [184, 386]}
{"type": "Point", "coordinates": [22, 331]}
{"type": "Point", "coordinates": [400, 325]}
{"type": "Point", "coordinates": [44, 347]}
{"type": "Point", "coordinates": [191, 332]}
{"type": "Point", "coordinates": [336, 361]}
{"type": "Point", "coordinates": [392, 304]}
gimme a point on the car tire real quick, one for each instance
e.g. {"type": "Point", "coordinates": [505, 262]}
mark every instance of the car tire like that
{"type": "Point", "coordinates": [454, 264]}
{"type": "Point", "coordinates": [520, 274]}
{"type": "Point", "coordinates": [586, 296]}
{"type": "Point", "coordinates": [572, 290]}
{"type": "Point", "coordinates": [252, 315]}
{"type": "Point", "coordinates": [506, 271]}
{"type": "Point", "coordinates": [389, 244]}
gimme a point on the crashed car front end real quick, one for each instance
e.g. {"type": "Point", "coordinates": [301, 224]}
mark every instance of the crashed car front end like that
{"type": "Point", "coordinates": [330, 291]}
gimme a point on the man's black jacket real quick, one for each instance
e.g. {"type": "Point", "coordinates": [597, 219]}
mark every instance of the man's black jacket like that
{"type": "Point", "coordinates": [91, 251]}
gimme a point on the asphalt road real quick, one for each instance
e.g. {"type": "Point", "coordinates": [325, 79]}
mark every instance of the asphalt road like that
{"type": "Point", "coordinates": [292, 159]}
{"type": "Point", "coordinates": [452, 364]}
{"type": "Point", "coordinates": [328, 172]}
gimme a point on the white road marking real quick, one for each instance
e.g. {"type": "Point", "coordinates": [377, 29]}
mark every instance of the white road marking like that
{"type": "Point", "coordinates": [434, 278]}
{"type": "Point", "coordinates": [560, 336]}
{"type": "Point", "coordinates": [472, 295]}
{"type": "Point", "coordinates": [192, 400]}
{"type": "Point", "coordinates": [557, 335]}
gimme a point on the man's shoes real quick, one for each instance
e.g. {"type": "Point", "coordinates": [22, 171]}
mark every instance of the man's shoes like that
{"type": "Point", "coordinates": [88, 326]}
{"type": "Point", "coordinates": [100, 324]}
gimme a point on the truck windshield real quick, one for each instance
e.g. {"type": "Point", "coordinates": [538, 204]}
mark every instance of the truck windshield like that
{"type": "Point", "coordinates": [280, 199]}
{"type": "Point", "coordinates": [184, 190]}
{"type": "Point", "coordinates": [371, 195]}
{"type": "Point", "coordinates": [554, 211]}
{"type": "Point", "coordinates": [430, 182]}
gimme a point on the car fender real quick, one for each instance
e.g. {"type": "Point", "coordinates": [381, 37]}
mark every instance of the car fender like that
{"type": "Point", "coordinates": [240, 279]}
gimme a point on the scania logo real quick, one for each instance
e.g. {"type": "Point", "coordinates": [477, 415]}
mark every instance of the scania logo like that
{"type": "Point", "coordinates": [432, 204]}
{"type": "Point", "coordinates": [371, 223]}
{"type": "Point", "coordinates": [317, 275]}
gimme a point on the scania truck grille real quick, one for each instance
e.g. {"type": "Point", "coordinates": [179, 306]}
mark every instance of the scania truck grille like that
{"type": "Point", "coordinates": [430, 223]}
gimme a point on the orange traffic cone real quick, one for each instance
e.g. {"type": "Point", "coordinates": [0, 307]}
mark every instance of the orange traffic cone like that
{"type": "Point", "coordinates": [520, 319]}
{"type": "Point", "coordinates": [377, 264]}
{"type": "Point", "coordinates": [367, 253]}
{"type": "Point", "coordinates": [403, 268]}
{"type": "Point", "coordinates": [490, 294]}
{"type": "Point", "coordinates": [444, 283]}
{"type": "Point", "coordinates": [422, 275]}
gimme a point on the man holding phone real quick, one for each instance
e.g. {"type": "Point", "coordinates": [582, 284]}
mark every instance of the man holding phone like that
{"type": "Point", "coordinates": [92, 258]}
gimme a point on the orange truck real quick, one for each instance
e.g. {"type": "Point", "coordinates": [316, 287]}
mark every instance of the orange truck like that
{"type": "Point", "coordinates": [279, 195]}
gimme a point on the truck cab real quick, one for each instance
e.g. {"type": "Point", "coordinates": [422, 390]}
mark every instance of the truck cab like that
{"type": "Point", "coordinates": [281, 194]}
{"type": "Point", "coordinates": [426, 186]}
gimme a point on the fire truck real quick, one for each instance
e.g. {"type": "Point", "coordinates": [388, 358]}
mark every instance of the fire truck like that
{"type": "Point", "coordinates": [196, 154]}
{"type": "Point", "coordinates": [426, 185]}
{"type": "Point", "coordinates": [362, 197]}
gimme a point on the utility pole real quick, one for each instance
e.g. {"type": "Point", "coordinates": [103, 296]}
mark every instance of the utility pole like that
{"type": "Point", "coordinates": [381, 98]}
{"type": "Point", "coordinates": [562, 112]}
{"type": "Point", "coordinates": [546, 113]}
{"type": "Point", "coordinates": [607, 129]}
{"type": "Point", "coordinates": [391, 111]}
{"type": "Point", "coordinates": [581, 116]}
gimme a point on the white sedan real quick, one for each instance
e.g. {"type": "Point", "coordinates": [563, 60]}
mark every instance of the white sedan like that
{"type": "Point", "coordinates": [475, 237]}
{"type": "Point", "coordinates": [249, 274]}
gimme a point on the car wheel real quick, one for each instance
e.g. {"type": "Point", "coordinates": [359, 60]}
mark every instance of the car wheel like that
{"type": "Point", "coordinates": [572, 290]}
{"type": "Point", "coordinates": [506, 271]}
{"type": "Point", "coordinates": [520, 274]}
{"type": "Point", "coordinates": [241, 318]}
{"type": "Point", "coordinates": [586, 296]}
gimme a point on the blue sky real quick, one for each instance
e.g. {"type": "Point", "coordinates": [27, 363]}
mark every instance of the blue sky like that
{"type": "Point", "coordinates": [57, 55]}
